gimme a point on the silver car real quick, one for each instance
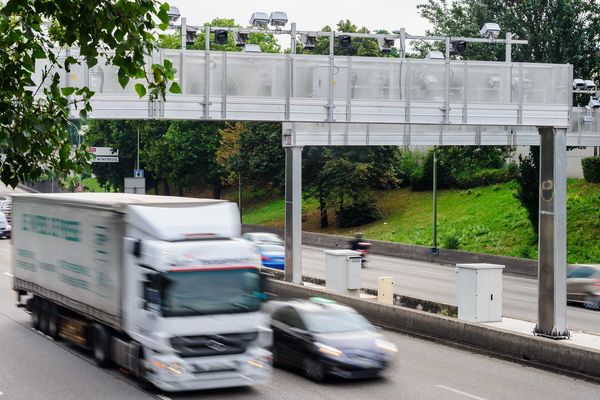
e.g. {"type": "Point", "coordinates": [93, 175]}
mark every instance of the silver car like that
{"type": "Point", "coordinates": [583, 286]}
{"type": "Point", "coordinates": [263, 237]}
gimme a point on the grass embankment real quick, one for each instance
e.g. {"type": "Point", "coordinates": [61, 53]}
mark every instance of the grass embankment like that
{"type": "Point", "coordinates": [484, 220]}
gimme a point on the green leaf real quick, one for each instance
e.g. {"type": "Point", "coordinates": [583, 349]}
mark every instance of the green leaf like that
{"type": "Point", "coordinates": [67, 91]}
{"type": "Point", "coordinates": [175, 88]}
{"type": "Point", "coordinates": [140, 89]}
{"type": "Point", "coordinates": [123, 78]}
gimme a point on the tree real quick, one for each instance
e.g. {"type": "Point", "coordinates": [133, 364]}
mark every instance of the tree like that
{"type": "Point", "coordinates": [191, 147]}
{"type": "Point", "coordinates": [262, 159]}
{"type": "Point", "coordinates": [34, 113]}
{"type": "Point", "coordinates": [228, 153]}
{"type": "Point", "coordinates": [558, 31]}
{"type": "Point", "coordinates": [121, 135]}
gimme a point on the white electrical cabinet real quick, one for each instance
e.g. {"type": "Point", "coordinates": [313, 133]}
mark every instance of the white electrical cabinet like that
{"type": "Point", "coordinates": [343, 272]}
{"type": "Point", "coordinates": [479, 292]}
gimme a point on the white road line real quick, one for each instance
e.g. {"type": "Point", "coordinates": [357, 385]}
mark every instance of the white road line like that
{"type": "Point", "coordinates": [161, 397]}
{"type": "Point", "coordinates": [9, 274]}
{"type": "Point", "coordinates": [472, 396]}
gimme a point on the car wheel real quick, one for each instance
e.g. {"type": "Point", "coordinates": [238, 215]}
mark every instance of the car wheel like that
{"type": "Point", "coordinates": [101, 345]}
{"type": "Point", "coordinates": [592, 302]}
{"type": "Point", "coordinates": [314, 370]}
{"type": "Point", "coordinates": [276, 357]}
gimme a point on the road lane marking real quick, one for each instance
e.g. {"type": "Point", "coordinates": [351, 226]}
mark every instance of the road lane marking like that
{"type": "Point", "coordinates": [472, 396]}
{"type": "Point", "coordinates": [9, 274]}
{"type": "Point", "coordinates": [161, 397]}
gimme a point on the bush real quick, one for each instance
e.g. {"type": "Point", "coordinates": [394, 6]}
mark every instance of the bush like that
{"type": "Point", "coordinates": [409, 167]}
{"type": "Point", "coordinates": [485, 177]}
{"type": "Point", "coordinates": [591, 169]}
{"type": "Point", "coordinates": [357, 214]}
{"type": "Point", "coordinates": [451, 242]}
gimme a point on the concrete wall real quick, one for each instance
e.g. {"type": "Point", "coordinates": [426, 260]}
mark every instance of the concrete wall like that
{"type": "Point", "coordinates": [550, 353]}
{"type": "Point", "coordinates": [514, 266]}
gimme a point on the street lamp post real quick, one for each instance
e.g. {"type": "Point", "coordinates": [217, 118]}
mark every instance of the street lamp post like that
{"type": "Point", "coordinates": [434, 248]}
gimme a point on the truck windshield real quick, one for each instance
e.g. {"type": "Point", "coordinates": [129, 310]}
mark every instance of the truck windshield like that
{"type": "Point", "coordinates": [211, 292]}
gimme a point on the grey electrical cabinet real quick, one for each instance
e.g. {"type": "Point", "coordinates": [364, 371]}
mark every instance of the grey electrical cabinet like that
{"type": "Point", "coordinates": [343, 272]}
{"type": "Point", "coordinates": [479, 292]}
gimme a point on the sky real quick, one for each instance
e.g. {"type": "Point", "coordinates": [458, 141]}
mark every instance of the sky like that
{"type": "Point", "coordinates": [311, 15]}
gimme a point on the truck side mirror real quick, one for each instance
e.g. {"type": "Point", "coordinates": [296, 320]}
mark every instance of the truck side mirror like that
{"type": "Point", "coordinates": [137, 248]}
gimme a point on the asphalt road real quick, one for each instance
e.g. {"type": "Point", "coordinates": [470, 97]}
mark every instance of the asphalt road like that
{"type": "Point", "coordinates": [33, 366]}
{"type": "Point", "coordinates": [436, 282]}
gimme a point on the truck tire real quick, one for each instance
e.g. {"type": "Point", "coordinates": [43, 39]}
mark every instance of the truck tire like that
{"type": "Point", "coordinates": [35, 313]}
{"type": "Point", "coordinates": [101, 345]}
{"type": "Point", "coordinates": [44, 307]}
{"type": "Point", "coordinates": [53, 321]}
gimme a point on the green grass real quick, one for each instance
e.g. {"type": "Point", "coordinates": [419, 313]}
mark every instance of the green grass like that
{"type": "Point", "coordinates": [485, 220]}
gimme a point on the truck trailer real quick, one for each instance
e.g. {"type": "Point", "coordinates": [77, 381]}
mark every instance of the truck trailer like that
{"type": "Point", "coordinates": [160, 286]}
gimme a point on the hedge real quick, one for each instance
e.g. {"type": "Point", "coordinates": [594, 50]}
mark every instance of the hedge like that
{"type": "Point", "coordinates": [591, 169]}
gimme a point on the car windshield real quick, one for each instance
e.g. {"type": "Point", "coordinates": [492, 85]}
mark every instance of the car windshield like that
{"type": "Point", "coordinates": [211, 292]}
{"type": "Point", "coordinates": [336, 322]}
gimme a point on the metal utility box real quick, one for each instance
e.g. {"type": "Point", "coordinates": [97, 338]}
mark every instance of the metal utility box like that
{"type": "Point", "coordinates": [385, 290]}
{"type": "Point", "coordinates": [343, 271]}
{"type": "Point", "coordinates": [479, 292]}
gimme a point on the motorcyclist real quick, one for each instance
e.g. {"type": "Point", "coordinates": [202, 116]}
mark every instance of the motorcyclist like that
{"type": "Point", "coordinates": [359, 245]}
{"type": "Point", "coordinates": [355, 243]}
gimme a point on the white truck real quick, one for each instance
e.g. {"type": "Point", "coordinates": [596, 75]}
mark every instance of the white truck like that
{"type": "Point", "coordinates": [160, 286]}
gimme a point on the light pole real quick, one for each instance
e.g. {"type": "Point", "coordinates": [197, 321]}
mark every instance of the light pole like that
{"type": "Point", "coordinates": [434, 248]}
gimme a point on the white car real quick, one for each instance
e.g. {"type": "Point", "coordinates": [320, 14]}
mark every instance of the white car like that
{"type": "Point", "coordinates": [5, 228]}
{"type": "Point", "coordinates": [263, 237]}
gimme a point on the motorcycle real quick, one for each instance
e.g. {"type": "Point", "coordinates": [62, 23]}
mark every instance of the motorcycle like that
{"type": "Point", "coordinates": [363, 249]}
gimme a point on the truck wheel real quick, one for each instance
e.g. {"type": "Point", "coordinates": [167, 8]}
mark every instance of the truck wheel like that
{"type": "Point", "coordinates": [101, 345]}
{"type": "Point", "coordinates": [35, 313]}
{"type": "Point", "coordinates": [53, 321]}
{"type": "Point", "coordinates": [44, 308]}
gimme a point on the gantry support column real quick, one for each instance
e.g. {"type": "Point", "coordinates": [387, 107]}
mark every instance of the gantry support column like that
{"type": "Point", "coordinates": [552, 242]}
{"type": "Point", "coordinates": [293, 213]}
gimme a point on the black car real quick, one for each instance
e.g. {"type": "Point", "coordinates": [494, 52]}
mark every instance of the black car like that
{"type": "Point", "coordinates": [325, 338]}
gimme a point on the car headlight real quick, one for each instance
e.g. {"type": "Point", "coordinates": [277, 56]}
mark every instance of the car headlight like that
{"type": "Point", "coordinates": [387, 346]}
{"type": "Point", "coordinates": [328, 350]}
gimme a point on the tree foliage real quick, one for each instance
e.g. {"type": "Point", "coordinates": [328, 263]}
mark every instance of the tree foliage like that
{"type": "Point", "coordinates": [558, 31]}
{"type": "Point", "coordinates": [528, 189]}
{"type": "Point", "coordinates": [34, 113]}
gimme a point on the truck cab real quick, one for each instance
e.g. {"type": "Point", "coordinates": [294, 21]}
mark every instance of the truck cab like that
{"type": "Point", "coordinates": [194, 299]}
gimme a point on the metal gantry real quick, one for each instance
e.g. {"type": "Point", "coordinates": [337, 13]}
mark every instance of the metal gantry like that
{"type": "Point", "coordinates": [340, 100]}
